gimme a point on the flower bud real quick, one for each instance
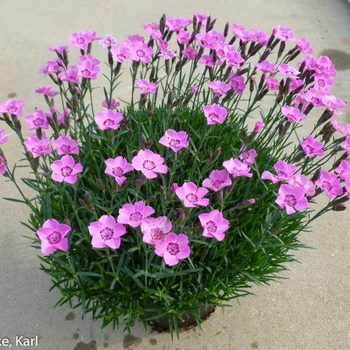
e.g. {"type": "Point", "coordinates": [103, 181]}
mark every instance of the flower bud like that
{"type": "Point", "coordinates": [317, 175]}
{"type": "Point", "coordinates": [100, 184]}
{"type": "Point", "coordinates": [326, 115]}
{"type": "Point", "coordinates": [338, 207]}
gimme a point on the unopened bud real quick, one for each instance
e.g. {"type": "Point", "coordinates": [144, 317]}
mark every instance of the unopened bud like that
{"type": "Point", "coordinates": [317, 175]}
{"type": "Point", "coordinates": [100, 184]}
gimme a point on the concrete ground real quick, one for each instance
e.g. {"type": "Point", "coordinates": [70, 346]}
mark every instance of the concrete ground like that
{"type": "Point", "coordinates": [309, 310]}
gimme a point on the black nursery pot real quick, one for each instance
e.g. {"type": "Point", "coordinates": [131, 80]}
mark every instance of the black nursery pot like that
{"type": "Point", "coordinates": [187, 320]}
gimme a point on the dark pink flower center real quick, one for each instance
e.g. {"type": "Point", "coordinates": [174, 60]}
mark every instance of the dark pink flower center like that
{"type": "Point", "coordinates": [65, 149]}
{"type": "Point", "coordinates": [213, 116]}
{"type": "Point", "coordinates": [106, 233]}
{"type": "Point", "coordinates": [211, 226]}
{"type": "Point", "coordinates": [321, 83]}
{"type": "Point", "coordinates": [85, 73]}
{"type": "Point", "coordinates": [140, 53]}
{"type": "Point", "coordinates": [326, 186]}
{"type": "Point", "coordinates": [38, 122]}
{"type": "Point", "coordinates": [66, 171]}
{"type": "Point", "coordinates": [37, 149]}
{"type": "Point", "coordinates": [308, 149]}
{"type": "Point", "coordinates": [137, 216]}
{"type": "Point", "coordinates": [217, 183]}
{"type": "Point", "coordinates": [282, 173]}
{"type": "Point", "coordinates": [108, 122]}
{"type": "Point", "coordinates": [172, 248]}
{"type": "Point", "coordinates": [54, 237]}
{"type": "Point", "coordinates": [80, 41]}
{"type": "Point", "coordinates": [191, 197]}
{"type": "Point", "coordinates": [174, 142]}
{"type": "Point", "coordinates": [118, 171]}
{"type": "Point", "coordinates": [290, 200]}
{"type": "Point", "coordinates": [148, 165]}
{"type": "Point", "coordinates": [157, 233]}
{"type": "Point", "coordinates": [11, 109]}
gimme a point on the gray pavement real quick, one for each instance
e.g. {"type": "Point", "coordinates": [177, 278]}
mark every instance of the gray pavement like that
{"type": "Point", "coordinates": [309, 310]}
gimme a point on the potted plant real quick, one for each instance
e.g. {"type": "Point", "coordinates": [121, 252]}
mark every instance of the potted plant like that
{"type": "Point", "coordinates": [175, 200]}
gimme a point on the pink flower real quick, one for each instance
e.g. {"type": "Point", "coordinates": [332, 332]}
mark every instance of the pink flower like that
{"type": "Point", "coordinates": [287, 71]}
{"type": "Point", "coordinates": [237, 83]}
{"type": "Point", "coordinates": [219, 88]}
{"type": "Point", "coordinates": [81, 40]}
{"type": "Point", "coordinates": [3, 139]}
{"type": "Point", "coordinates": [214, 224]}
{"type": "Point", "coordinates": [108, 119]}
{"type": "Point", "coordinates": [304, 46]}
{"type": "Point", "coordinates": [109, 41]}
{"type": "Point", "coordinates": [323, 82]}
{"type": "Point", "coordinates": [87, 67]}
{"type": "Point", "coordinates": [233, 59]}
{"type": "Point", "coordinates": [324, 65]}
{"type": "Point", "coordinates": [191, 196]}
{"type": "Point", "coordinates": [2, 166]}
{"type": "Point", "coordinates": [266, 66]}
{"type": "Point", "coordinates": [206, 40]}
{"type": "Point", "coordinates": [149, 163]}
{"type": "Point", "coordinates": [117, 167]}
{"type": "Point", "coordinates": [248, 156]}
{"type": "Point", "coordinates": [37, 120]}
{"type": "Point", "coordinates": [167, 54]}
{"type": "Point", "coordinates": [133, 214]}
{"type": "Point", "coordinates": [343, 170]}
{"type": "Point", "coordinates": [183, 37]}
{"type": "Point", "coordinates": [146, 87]}
{"type": "Point", "coordinates": [176, 24]}
{"type": "Point", "coordinates": [70, 75]}
{"type": "Point", "coordinates": [283, 33]}
{"type": "Point", "coordinates": [272, 83]}
{"type": "Point", "coordinates": [12, 107]}
{"type": "Point", "coordinates": [311, 147]}
{"type": "Point", "coordinates": [259, 125]}
{"type": "Point", "coordinates": [121, 53]}
{"type": "Point", "coordinates": [106, 232]}
{"type": "Point", "coordinates": [301, 180]}
{"type": "Point", "coordinates": [207, 60]}
{"type": "Point", "coordinates": [59, 48]}
{"type": "Point", "coordinates": [215, 114]}
{"type": "Point", "coordinates": [139, 51]}
{"type": "Point", "coordinates": [284, 172]}
{"type": "Point", "coordinates": [111, 104]}
{"type": "Point", "coordinates": [64, 145]}
{"type": "Point", "coordinates": [346, 145]}
{"type": "Point", "coordinates": [218, 179]}
{"type": "Point", "coordinates": [47, 91]}
{"type": "Point", "coordinates": [190, 53]}
{"type": "Point", "coordinates": [291, 198]}
{"type": "Point", "coordinates": [155, 229]}
{"type": "Point", "coordinates": [153, 30]}
{"type": "Point", "coordinates": [53, 236]}
{"type": "Point", "coordinates": [36, 146]}
{"type": "Point", "coordinates": [236, 168]}
{"type": "Point", "coordinates": [292, 114]}
{"type": "Point", "coordinates": [173, 248]}
{"type": "Point", "coordinates": [332, 103]}
{"type": "Point", "coordinates": [330, 184]}
{"type": "Point", "coordinates": [66, 170]}
{"type": "Point", "coordinates": [174, 140]}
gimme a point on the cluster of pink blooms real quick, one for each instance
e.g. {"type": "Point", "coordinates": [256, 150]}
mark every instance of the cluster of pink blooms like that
{"type": "Point", "coordinates": [295, 189]}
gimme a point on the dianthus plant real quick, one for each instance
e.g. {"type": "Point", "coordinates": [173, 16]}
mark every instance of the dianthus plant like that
{"type": "Point", "coordinates": [192, 187]}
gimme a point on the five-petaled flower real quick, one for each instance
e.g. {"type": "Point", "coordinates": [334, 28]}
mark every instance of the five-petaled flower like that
{"type": "Point", "coordinates": [133, 214]}
{"type": "Point", "coordinates": [214, 224]}
{"type": "Point", "coordinates": [330, 184]}
{"type": "Point", "coordinates": [236, 168]}
{"type": "Point", "coordinates": [117, 167]}
{"type": "Point", "coordinates": [311, 147]}
{"type": "Point", "coordinates": [174, 140]}
{"type": "Point", "coordinates": [36, 146]}
{"type": "Point", "coordinates": [66, 170]}
{"type": "Point", "coordinates": [53, 236]}
{"type": "Point", "coordinates": [108, 119]}
{"type": "Point", "coordinates": [106, 232]}
{"type": "Point", "coordinates": [149, 163]}
{"type": "Point", "coordinates": [37, 120]}
{"type": "Point", "coordinates": [217, 180]}
{"type": "Point", "coordinates": [215, 114]}
{"type": "Point", "coordinates": [291, 198]}
{"type": "Point", "coordinates": [146, 87]}
{"type": "Point", "coordinates": [64, 145]}
{"type": "Point", "coordinates": [155, 229]}
{"type": "Point", "coordinates": [173, 248]}
{"type": "Point", "coordinates": [284, 172]}
{"type": "Point", "coordinates": [191, 196]}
